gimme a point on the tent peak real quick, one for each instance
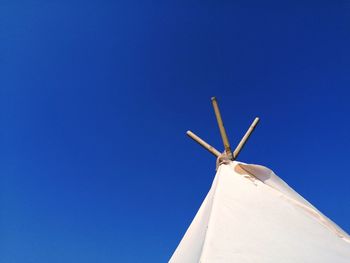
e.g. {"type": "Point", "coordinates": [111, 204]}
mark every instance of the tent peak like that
{"type": "Point", "coordinates": [228, 152]}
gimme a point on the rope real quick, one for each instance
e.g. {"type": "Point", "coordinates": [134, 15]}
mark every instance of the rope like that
{"type": "Point", "coordinates": [222, 159]}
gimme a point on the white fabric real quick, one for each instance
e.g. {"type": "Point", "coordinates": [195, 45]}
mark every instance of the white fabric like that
{"type": "Point", "coordinates": [251, 215]}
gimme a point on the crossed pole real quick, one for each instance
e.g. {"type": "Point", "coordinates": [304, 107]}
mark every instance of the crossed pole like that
{"type": "Point", "coordinates": [231, 155]}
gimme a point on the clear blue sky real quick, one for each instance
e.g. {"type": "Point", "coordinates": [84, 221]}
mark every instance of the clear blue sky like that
{"type": "Point", "coordinates": [96, 97]}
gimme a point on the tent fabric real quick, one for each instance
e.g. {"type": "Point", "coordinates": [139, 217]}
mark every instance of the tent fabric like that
{"type": "Point", "coordinates": [252, 215]}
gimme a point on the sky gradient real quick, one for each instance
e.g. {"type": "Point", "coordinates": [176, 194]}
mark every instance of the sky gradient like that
{"type": "Point", "coordinates": [96, 97]}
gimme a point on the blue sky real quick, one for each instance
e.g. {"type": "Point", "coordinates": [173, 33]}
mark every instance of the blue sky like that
{"type": "Point", "coordinates": [96, 97]}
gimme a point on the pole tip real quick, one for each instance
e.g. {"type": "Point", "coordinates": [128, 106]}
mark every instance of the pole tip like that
{"type": "Point", "coordinates": [213, 98]}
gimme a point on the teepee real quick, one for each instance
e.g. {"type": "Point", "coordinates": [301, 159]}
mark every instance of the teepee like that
{"type": "Point", "coordinates": [252, 215]}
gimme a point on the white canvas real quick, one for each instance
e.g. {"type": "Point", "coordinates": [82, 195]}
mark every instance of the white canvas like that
{"type": "Point", "coordinates": [251, 215]}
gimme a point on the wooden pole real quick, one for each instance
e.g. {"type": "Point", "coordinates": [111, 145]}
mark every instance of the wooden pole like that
{"type": "Point", "coordinates": [245, 138]}
{"type": "Point", "coordinates": [205, 145]}
{"type": "Point", "coordinates": [221, 127]}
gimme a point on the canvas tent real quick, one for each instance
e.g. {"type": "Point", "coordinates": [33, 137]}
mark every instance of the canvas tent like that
{"type": "Point", "coordinates": [250, 215]}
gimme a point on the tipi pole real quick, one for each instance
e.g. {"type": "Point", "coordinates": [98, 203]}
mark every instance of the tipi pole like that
{"type": "Point", "coordinates": [205, 145]}
{"type": "Point", "coordinates": [245, 138]}
{"type": "Point", "coordinates": [221, 127]}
